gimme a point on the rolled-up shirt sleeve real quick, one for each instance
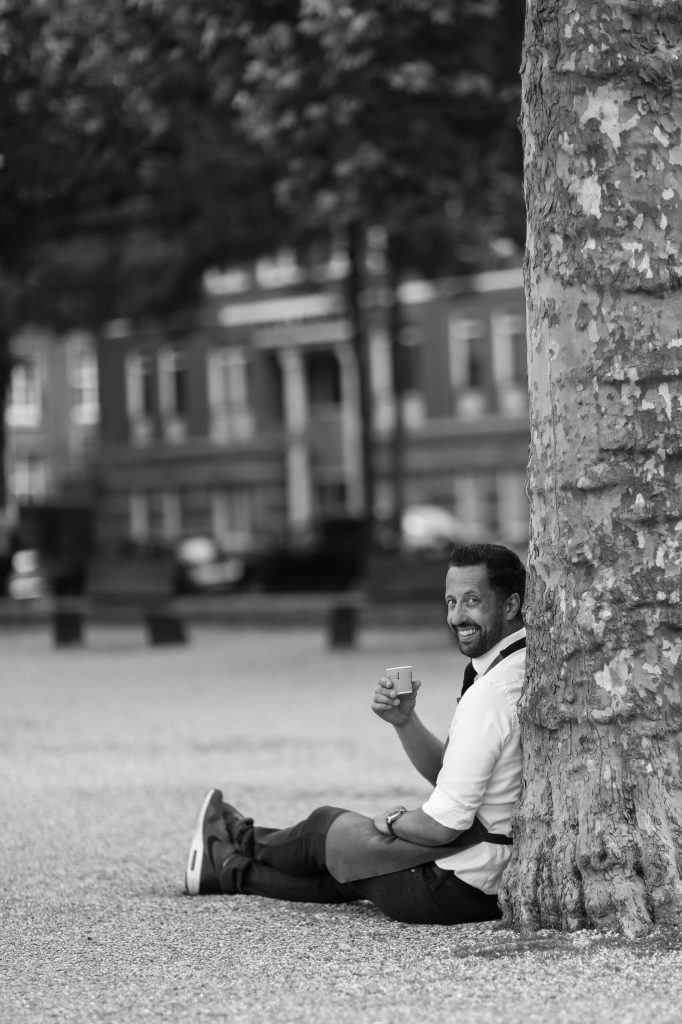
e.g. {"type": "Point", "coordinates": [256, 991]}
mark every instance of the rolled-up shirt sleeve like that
{"type": "Point", "coordinates": [480, 728]}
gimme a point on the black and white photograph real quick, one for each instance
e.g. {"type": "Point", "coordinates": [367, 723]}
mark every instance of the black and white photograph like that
{"type": "Point", "coordinates": [341, 511]}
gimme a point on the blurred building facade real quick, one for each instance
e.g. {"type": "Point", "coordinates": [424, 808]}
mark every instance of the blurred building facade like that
{"type": "Point", "coordinates": [52, 418]}
{"type": "Point", "coordinates": [243, 422]}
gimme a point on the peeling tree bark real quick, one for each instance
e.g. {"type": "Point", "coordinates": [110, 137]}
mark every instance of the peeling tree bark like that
{"type": "Point", "coordinates": [599, 828]}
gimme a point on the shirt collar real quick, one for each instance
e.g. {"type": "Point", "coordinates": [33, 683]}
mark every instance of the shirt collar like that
{"type": "Point", "coordinates": [483, 663]}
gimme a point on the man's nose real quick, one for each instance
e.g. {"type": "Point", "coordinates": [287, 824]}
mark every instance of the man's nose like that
{"type": "Point", "coordinates": [455, 616]}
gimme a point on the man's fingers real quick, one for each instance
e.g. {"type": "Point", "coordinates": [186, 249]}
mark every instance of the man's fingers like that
{"type": "Point", "coordinates": [384, 701]}
{"type": "Point", "coordinates": [386, 698]}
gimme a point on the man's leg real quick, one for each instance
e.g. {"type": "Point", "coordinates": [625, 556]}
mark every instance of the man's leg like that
{"type": "Point", "coordinates": [298, 850]}
{"type": "Point", "coordinates": [286, 863]}
{"type": "Point", "coordinates": [421, 895]}
{"type": "Point", "coordinates": [289, 864]}
{"type": "Point", "coordinates": [428, 895]}
{"type": "Point", "coordinates": [238, 874]}
{"type": "Point", "coordinates": [228, 854]}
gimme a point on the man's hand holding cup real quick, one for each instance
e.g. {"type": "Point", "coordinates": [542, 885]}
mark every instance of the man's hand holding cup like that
{"type": "Point", "coordinates": [396, 695]}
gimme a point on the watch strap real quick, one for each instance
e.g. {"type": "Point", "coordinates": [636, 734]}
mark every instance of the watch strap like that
{"type": "Point", "coordinates": [393, 817]}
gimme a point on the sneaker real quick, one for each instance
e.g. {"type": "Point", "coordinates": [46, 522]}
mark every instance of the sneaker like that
{"type": "Point", "coordinates": [201, 876]}
{"type": "Point", "coordinates": [235, 822]}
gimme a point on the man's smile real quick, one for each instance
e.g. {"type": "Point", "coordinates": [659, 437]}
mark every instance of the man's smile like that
{"type": "Point", "coordinates": [466, 632]}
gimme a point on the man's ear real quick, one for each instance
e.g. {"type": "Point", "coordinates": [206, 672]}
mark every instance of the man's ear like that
{"type": "Point", "coordinates": [513, 607]}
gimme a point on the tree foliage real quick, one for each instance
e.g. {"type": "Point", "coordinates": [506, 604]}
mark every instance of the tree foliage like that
{"type": "Point", "coordinates": [144, 140]}
{"type": "Point", "coordinates": [398, 114]}
{"type": "Point", "coordinates": [126, 170]}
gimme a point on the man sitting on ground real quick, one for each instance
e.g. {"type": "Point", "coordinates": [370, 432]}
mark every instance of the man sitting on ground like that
{"type": "Point", "coordinates": [440, 863]}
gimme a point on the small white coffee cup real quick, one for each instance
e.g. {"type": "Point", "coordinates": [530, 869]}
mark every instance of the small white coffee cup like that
{"type": "Point", "coordinates": [401, 677]}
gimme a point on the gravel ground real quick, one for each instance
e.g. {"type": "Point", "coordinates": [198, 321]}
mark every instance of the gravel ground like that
{"type": "Point", "coordinates": [106, 754]}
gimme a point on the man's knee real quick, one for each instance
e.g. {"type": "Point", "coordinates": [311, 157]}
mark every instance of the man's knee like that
{"type": "Point", "coordinates": [321, 818]}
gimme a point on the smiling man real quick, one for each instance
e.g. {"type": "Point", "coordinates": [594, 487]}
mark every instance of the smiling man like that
{"type": "Point", "coordinates": [440, 863]}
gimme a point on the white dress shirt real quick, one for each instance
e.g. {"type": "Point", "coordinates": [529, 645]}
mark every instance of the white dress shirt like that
{"type": "Point", "coordinates": [481, 771]}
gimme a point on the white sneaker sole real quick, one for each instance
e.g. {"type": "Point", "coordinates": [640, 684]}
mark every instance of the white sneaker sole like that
{"type": "Point", "coordinates": [197, 851]}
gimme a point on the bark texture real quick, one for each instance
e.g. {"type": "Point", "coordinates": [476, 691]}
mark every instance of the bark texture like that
{"type": "Point", "coordinates": [599, 829]}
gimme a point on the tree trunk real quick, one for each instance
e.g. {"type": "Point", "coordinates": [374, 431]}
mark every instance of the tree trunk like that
{"type": "Point", "coordinates": [8, 317]}
{"type": "Point", "coordinates": [599, 829]}
{"type": "Point", "coordinates": [395, 333]}
{"type": "Point", "coordinates": [354, 288]}
{"type": "Point", "coordinates": [5, 380]}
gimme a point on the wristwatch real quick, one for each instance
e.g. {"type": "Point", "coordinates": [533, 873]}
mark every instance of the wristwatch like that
{"type": "Point", "coordinates": [392, 817]}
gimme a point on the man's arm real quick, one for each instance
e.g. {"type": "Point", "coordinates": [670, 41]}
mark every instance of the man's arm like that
{"type": "Point", "coordinates": [417, 827]}
{"type": "Point", "coordinates": [424, 750]}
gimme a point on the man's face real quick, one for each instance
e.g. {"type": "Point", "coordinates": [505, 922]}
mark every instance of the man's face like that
{"type": "Point", "coordinates": [477, 615]}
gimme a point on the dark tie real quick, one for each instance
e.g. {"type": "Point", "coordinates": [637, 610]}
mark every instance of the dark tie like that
{"type": "Point", "coordinates": [469, 677]}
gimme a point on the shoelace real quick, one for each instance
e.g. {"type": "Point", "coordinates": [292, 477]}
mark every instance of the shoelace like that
{"type": "Point", "coordinates": [236, 832]}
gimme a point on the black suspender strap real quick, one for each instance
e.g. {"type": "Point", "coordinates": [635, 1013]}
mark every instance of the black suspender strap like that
{"type": "Point", "coordinates": [478, 833]}
{"type": "Point", "coordinates": [470, 676]}
{"type": "Point", "coordinates": [518, 645]}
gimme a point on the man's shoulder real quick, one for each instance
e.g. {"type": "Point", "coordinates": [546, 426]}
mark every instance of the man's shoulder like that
{"type": "Point", "coordinates": [506, 678]}
{"type": "Point", "coordinates": [510, 667]}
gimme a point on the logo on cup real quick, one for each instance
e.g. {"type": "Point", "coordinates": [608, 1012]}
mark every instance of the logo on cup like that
{"type": "Point", "coordinates": [401, 677]}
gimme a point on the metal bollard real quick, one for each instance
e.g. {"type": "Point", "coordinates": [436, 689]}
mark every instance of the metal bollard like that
{"type": "Point", "coordinates": [165, 628]}
{"type": "Point", "coordinates": [67, 628]}
{"type": "Point", "coordinates": [342, 626]}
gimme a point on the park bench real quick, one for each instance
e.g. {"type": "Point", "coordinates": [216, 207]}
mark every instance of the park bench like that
{"type": "Point", "coordinates": [123, 589]}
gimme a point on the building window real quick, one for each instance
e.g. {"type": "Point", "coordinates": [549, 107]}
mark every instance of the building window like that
{"type": "Point", "coordinates": [84, 387]}
{"type": "Point", "coordinates": [510, 362]}
{"type": "Point", "coordinates": [330, 497]}
{"type": "Point", "coordinates": [232, 517]}
{"type": "Point", "coordinates": [278, 271]}
{"type": "Point", "coordinates": [381, 377]}
{"type": "Point", "coordinates": [408, 372]}
{"type": "Point", "coordinates": [323, 378]}
{"type": "Point", "coordinates": [25, 405]}
{"type": "Point", "coordinates": [139, 516]}
{"type": "Point", "coordinates": [512, 507]}
{"type": "Point", "coordinates": [466, 338]}
{"type": "Point", "coordinates": [139, 370]}
{"type": "Point", "coordinates": [228, 394]}
{"type": "Point", "coordinates": [28, 477]}
{"type": "Point", "coordinates": [171, 515]}
{"type": "Point", "coordinates": [173, 393]}
{"type": "Point", "coordinates": [476, 503]}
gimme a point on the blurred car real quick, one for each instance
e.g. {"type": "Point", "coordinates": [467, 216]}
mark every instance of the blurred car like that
{"type": "Point", "coordinates": [202, 566]}
{"type": "Point", "coordinates": [428, 530]}
{"type": "Point", "coordinates": [27, 580]}
{"type": "Point", "coordinates": [432, 529]}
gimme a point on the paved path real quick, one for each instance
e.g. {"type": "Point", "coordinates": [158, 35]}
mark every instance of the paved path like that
{"type": "Point", "coordinates": [106, 752]}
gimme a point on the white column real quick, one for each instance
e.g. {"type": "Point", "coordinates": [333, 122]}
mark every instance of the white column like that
{"type": "Point", "coordinates": [296, 418]}
{"type": "Point", "coordinates": [350, 426]}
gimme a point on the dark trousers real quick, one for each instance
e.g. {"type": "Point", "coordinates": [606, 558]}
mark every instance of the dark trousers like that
{"type": "Point", "coordinates": [289, 864]}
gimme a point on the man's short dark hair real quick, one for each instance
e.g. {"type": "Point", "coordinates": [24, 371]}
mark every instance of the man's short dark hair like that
{"type": "Point", "coordinates": [506, 571]}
